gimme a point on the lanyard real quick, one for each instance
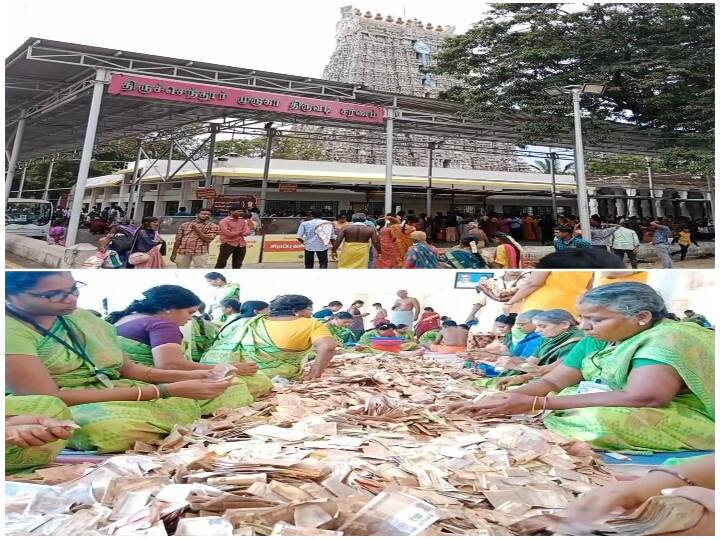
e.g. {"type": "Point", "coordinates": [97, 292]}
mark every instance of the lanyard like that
{"type": "Point", "coordinates": [74, 346]}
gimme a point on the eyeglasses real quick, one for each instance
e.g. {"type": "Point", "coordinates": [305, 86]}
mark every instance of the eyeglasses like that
{"type": "Point", "coordinates": [59, 295]}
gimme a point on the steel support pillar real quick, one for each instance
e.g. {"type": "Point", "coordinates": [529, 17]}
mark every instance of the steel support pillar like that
{"type": "Point", "coordinates": [710, 196]}
{"type": "Point", "coordinates": [266, 168]}
{"type": "Point", "coordinates": [14, 153]}
{"type": "Point", "coordinates": [428, 202]}
{"type": "Point", "coordinates": [88, 145]}
{"type": "Point", "coordinates": [134, 182]}
{"type": "Point", "coordinates": [48, 180]}
{"type": "Point", "coordinates": [22, 181]}
{"type": "Point", "coordinates": [211, 155]}
{"type": "Point", "coordinates": [389, 117]}
{"type": "Point", "coordinates": [582, 196]}
{"type": "Point", "coordinates": [651, 186]}
{"type": "Point", "coordinates": [553, 157]}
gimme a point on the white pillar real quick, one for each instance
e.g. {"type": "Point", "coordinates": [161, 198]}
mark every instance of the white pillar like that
{"type": "Point", "coordinates": [14, 153]}
{"type": "Point", "coordinates": [105, 197]}
{"type": "Point", "coordinates": [185, 193]}
{"type": "Point", "coordinates": [93, 198]}
{"type": "Point", "coordinates": [139, 204]}
{"type": "Point", "coordinates": [593, 202]}
{"type": "Point", "coordinates": [48, 180]}
{"type": "Point", "coordinates": [22, 181]}
{"type": "Point", "coordinates": [659, 206]}
{"type": "Point", "coordinates": [631, 203]}
{"type": "Point", "coordinates": [86, 157]}
{"type": "Point", "coordinates": [390, 115]}
{"type": "Point", "coordinates": [684, 207]}
{"type": "Point", "coordinates": [620, 206]}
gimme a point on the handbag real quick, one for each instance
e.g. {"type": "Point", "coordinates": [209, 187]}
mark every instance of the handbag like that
{"type": "Point", "coordinates": [138, 258]}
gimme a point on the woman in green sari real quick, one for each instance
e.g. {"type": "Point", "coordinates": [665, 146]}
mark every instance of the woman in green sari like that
{"type": "Point", "coordinates": [281, 343]}
{"type": "Point", "coordinates": [36, 431]}
{"type": "Point", "coordinates": [224, 291]}
{"type": "Point", "coordinates": [651, 388]}
{"type": "Point", "coordinates": [339, 325]}
{"type": "Point", "coordinates": [53, 349]}
{"type": "Point", "coordinates": [149, 333]}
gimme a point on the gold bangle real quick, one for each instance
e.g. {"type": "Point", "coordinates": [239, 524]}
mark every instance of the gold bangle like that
{"type": "Point", "coordinates": [139, 396]}
{"type": "Point", "coordinates": [535, 399]}
{"type": "Point", "coordinates": [157, 392]}
{"type": "Point", "coordinates": [544, 406]}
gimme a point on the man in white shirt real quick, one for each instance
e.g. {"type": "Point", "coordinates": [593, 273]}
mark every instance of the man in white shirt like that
{"type": "Point", "coordinates": [625, 241]}
{"type": "Point", "coordinates": [315, 235]}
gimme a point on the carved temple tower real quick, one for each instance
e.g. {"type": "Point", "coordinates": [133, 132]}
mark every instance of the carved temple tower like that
{"type": "Point", "coordinates": [389, 54]}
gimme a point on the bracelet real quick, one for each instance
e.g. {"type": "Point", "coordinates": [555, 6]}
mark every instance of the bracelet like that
{"type": "Point", "coordinates": [163, 389]}
{"type": "Point", "coordinates": [157, 392]}
{"type": "Point", "coordinates": [544, 405]}
{"type": "Point", "coordinates": [139, 396]}
{"type": "Point", "coordinates": [676, 474]}
{"type": "Point", "coordinates": [535, 399]}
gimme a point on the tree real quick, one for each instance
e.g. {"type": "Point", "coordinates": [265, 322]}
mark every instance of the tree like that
{"type": "Point", "coordinates": [657, 61]}
{"type": "Point", "coordinates": [543, 166]}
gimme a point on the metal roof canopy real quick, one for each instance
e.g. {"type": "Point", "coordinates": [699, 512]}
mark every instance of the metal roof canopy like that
{"type": "Point", "coordinates": [52, 82]}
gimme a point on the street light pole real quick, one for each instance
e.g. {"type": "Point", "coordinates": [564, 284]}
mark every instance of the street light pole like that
{"type": "Point", "coordinates": [582, 196]}
{"type": "Point", "coordinates": [553, 157]}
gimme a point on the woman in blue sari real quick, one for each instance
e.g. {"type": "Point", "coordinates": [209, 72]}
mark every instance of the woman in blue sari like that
{"type": "Point", "coordinates": [421, 255]}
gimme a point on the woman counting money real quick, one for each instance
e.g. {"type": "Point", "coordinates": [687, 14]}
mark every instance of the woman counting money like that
{"type": "Point", "coordinates": [651, 388]}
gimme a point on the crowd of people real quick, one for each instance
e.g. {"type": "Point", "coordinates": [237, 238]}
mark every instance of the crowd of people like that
{"type": "Point", "coordinates": [394, 241]}
{"type": "Point", "coordinates": [600, 355]}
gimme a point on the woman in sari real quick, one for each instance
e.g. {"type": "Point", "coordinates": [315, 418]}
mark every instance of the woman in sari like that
{"type": "Point", "coordinates": [147, 249]}
{"type": "Point", "coordinates": [389, 255]}
{"type": "Point", "coordinates": [55, 350]}
{"type": "Point", "coordinates": [401, 234]}
{"type": "Point", "coordinates": [552, 290]}
{"type": "Point", "coordinates": [421, 255]}
{"type": "Point", "coordinates": [429, 320]}
{"type": "Point", "coordinates": [149, 334]}
{"type": "Point", "coordinates": [281, 343]}
{"type": "Point", "coordinates": [339, 325]}
{"type": "Point", "coordinates": [652, 388]}
{"type": "Point", "coordinates": [385, 330]}
{"type": "Point", "coordinates": [36, 431]}
{"type": "Point", "coordinates": [528, 228]}
{"type": "Point", "coordinates": [560, 335]}
{"type": "Point", "coordinates": [508, 253]}
{"type": "Point", "coordinates": [465, 255]}
{"type": "Point", "coordinates": [225, 291]}
{"type": "Point", "coordinates": [199, 332]}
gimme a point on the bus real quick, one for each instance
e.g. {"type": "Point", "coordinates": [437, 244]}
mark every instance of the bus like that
{"type": "Point", "coordinates": [28, 217]}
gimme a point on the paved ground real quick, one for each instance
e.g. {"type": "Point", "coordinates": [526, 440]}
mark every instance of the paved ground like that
{"type": "Point", "coordinates": [13, 262]}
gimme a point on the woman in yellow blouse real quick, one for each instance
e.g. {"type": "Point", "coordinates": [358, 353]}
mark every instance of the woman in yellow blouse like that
{"type": "Point", "coordinates": [553, 290]}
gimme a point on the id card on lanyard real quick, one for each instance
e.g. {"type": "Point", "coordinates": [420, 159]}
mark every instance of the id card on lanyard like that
{"type": "Point", "coordinates": [589, 387]}
{"type": "Point", "coordinates": [75, 346]}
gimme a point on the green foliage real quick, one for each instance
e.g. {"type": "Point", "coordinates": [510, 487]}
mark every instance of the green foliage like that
{"type": "Point", "coordinates": [657, 60]}
{"type": "Point", "coordinates": [543, 166]}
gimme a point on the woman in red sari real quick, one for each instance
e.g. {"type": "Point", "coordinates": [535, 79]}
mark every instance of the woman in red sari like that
{"type": "Point", "coordinates": [389, 255]}
{"type": "Point", "coordinates": [429, 320]}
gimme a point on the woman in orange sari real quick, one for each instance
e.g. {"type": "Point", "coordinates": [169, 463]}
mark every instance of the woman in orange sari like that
{"type": "Point", "coordinates": [389, 255]}
{"type": "Point", "coordinates": [528, 228]}
{"type": "Point", "coordinates": [401, 235]}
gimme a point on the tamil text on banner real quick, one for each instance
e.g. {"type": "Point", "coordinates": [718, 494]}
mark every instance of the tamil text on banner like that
{"type": "Point", "coordinates": [206, 193]}
{"type": "Point", "coordinates": [252, 255]}
{"type": "Point", "coordinates": [240, 98]}
{"type": "Point", "coordinates": [282, 248]}
{"type": "Point", "coordinates": [222, 204]}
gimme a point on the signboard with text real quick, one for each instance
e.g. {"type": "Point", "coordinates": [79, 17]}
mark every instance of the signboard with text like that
{"type": "Point", "coordinates": [288, 188]}
{"type": "Point", "coordinates": [238, 98]}
{"type": "Point", "coordinates": [282, 248]}
{"type": "Point", "coordinates": [206, 193]}
{"type": "Point", "coordinates": [224, 203]}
